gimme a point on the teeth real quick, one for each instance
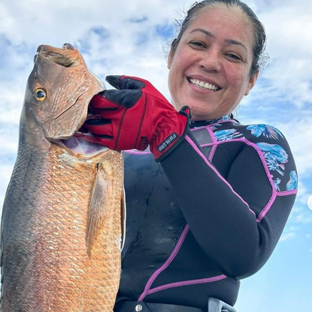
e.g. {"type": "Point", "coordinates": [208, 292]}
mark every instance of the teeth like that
{"type": "Point", "coordinates": [203, 84]}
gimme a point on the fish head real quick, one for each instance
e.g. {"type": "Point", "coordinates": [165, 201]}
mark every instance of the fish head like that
{"type": "Point", "coordinates": [58, 92]}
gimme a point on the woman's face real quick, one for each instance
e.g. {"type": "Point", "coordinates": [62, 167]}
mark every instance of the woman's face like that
{"type": "Point", "coordinates": [210, 69]}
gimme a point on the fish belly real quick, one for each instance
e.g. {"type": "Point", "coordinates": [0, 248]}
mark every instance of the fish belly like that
{"type": "Point", "coordinates": [47, 264]}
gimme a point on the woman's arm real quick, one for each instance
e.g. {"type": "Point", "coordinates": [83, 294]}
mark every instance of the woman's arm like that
{"type": "Point", "coordinates": [237, 221]}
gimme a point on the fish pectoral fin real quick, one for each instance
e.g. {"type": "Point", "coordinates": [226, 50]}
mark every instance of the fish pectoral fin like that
{"type": "Point", "coordinates": [99, 207]}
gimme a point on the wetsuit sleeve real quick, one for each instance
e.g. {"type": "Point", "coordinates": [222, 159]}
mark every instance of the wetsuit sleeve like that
{"type": "Point", "coordinates": [237, 219]}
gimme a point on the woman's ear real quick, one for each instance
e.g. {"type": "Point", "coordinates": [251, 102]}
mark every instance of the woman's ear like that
{"type": "Point", "coordinates": [170, 57]}
{"type": "Point", "coordinates": [252, 81]}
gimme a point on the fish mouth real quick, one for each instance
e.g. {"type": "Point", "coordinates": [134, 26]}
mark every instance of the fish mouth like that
{"type": "Point", "coordinates": [82, 142]}
{"type": "Point", "coordinates": [79, 145]}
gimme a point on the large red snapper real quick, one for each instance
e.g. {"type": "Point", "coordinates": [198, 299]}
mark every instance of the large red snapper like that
{"type": "Point", "coordinates": [61, 222]}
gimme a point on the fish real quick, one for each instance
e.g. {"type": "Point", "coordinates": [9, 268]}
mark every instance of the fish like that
{"type": "Point", "coordinates": [63, 215]}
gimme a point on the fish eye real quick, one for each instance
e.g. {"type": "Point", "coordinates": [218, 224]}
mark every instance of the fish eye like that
{"type": "Point", "coordinates": [40, 94]}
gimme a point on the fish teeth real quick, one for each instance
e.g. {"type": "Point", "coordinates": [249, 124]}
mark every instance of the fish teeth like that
{"type": "Point", "coordinates": [203, 84]}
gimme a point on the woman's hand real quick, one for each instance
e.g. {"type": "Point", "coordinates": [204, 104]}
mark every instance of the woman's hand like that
{"type": "Point", "coordinates": [134, 116]}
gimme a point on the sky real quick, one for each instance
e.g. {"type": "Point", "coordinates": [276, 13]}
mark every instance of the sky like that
{"type": "Point", "coordinates": [132, 37]}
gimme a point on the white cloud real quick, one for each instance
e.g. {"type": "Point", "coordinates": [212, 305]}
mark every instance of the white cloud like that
{"type": "Point", "coordinates": [58, 21]}
{"type": "Point", "coordinates": [304, 218]}
{"type": "Point", "coordinates": [287, 236]}
{"type": "Point", "coordinates": [290, 48]}
{"type": "Point", "coordinates": [299, 136]}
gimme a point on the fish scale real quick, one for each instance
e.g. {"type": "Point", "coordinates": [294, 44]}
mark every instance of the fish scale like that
{"type": "Point", "coordinates": [62, 220]}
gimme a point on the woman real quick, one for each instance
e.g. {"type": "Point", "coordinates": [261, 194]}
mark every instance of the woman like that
{"type": "Point", "coordinates": [212, 207]}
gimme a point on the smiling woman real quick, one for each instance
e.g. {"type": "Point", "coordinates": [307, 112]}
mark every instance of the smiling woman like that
{"type": "Point", "coordinates": [217, 52]}
{"type": "Point", "coordinates": [211, 209]}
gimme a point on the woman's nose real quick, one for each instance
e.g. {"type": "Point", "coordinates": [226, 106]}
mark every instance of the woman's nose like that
{"type": "Point", "coordinates": [211, 61]}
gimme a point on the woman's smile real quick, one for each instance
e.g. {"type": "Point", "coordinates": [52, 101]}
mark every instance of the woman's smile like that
{"type": "Point", "coordinates": [203, 84]}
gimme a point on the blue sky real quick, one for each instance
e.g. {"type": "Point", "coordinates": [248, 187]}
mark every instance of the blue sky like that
{"type": "Point", "coordinates": [131, 37]}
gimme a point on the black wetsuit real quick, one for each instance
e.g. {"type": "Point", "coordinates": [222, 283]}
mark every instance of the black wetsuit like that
{"type": "Point", "coordinates": [206, 216]}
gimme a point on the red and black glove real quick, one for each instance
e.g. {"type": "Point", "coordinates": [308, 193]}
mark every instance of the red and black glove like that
{"type": "Point", "coordinates": [135, 115]}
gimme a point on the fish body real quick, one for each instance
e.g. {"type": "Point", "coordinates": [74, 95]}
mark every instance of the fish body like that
{"type": "Point", "coordinates": [61, 221]}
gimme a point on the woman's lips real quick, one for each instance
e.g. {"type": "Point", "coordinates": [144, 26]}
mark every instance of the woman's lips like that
{"type": "Point", "coordinates": [203, 84]}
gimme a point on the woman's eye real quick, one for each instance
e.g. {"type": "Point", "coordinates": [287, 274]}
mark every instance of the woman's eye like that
{"type": "Point", "coordinates": [234, 56]}
{"type": "Point", "coordinates": [197, 44]}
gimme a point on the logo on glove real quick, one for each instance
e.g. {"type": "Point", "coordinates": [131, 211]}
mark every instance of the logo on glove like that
{"type": "Point", "coordinates": [169, 140]}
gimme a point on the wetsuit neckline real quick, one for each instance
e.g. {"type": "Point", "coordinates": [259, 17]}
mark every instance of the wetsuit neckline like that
{"type": "Point", "coordinates": [201, 123]}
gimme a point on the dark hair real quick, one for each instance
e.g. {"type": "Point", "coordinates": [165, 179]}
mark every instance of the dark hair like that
{"type": "Point", "coordinates": [259, 55]}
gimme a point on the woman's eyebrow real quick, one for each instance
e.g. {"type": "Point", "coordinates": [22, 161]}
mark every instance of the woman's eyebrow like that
{"type": "Point", "coordinates": [227, 41]}
{"type": "Point", "coordinates": [207, 33]}
{"type": "Point", "coordinates": [231, 41]}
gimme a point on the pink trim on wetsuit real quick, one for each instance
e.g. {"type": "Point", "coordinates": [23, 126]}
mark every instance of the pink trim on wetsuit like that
{"type": "Point", "coordinates": [148, 290]}
{"type": "Point", "coordinates": [187, 283]}
{"type": "Point", "coordinates": [214, 147]}
{"type": "Point", "coordinates": [275, 193]}
{"type": "Point", "coordinates": [165, 265]}
{"type": "Point", "coordinates": [286, 193]}
{"type": "Point", "coordinates": [190, 141]}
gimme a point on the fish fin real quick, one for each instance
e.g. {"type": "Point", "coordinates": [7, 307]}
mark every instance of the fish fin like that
{"type": "Point", "coordinates": [123, 219]}
{"type": "Point", "coordinates": [98, 207]}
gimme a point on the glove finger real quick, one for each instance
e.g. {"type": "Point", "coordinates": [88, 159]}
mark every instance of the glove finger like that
{"type": "Point", "coordinates": [126, 98]}
{"type": "Point", "coordinates": [125, 82]}
{"type": "Point", "coordinates": [108, 142]}
{"type": "Point", "coordinates": [113, 80]}
{"type": "Point", "coordinates": [99, 127]}
{"type": "Point", "coordinates": [101, 102]}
